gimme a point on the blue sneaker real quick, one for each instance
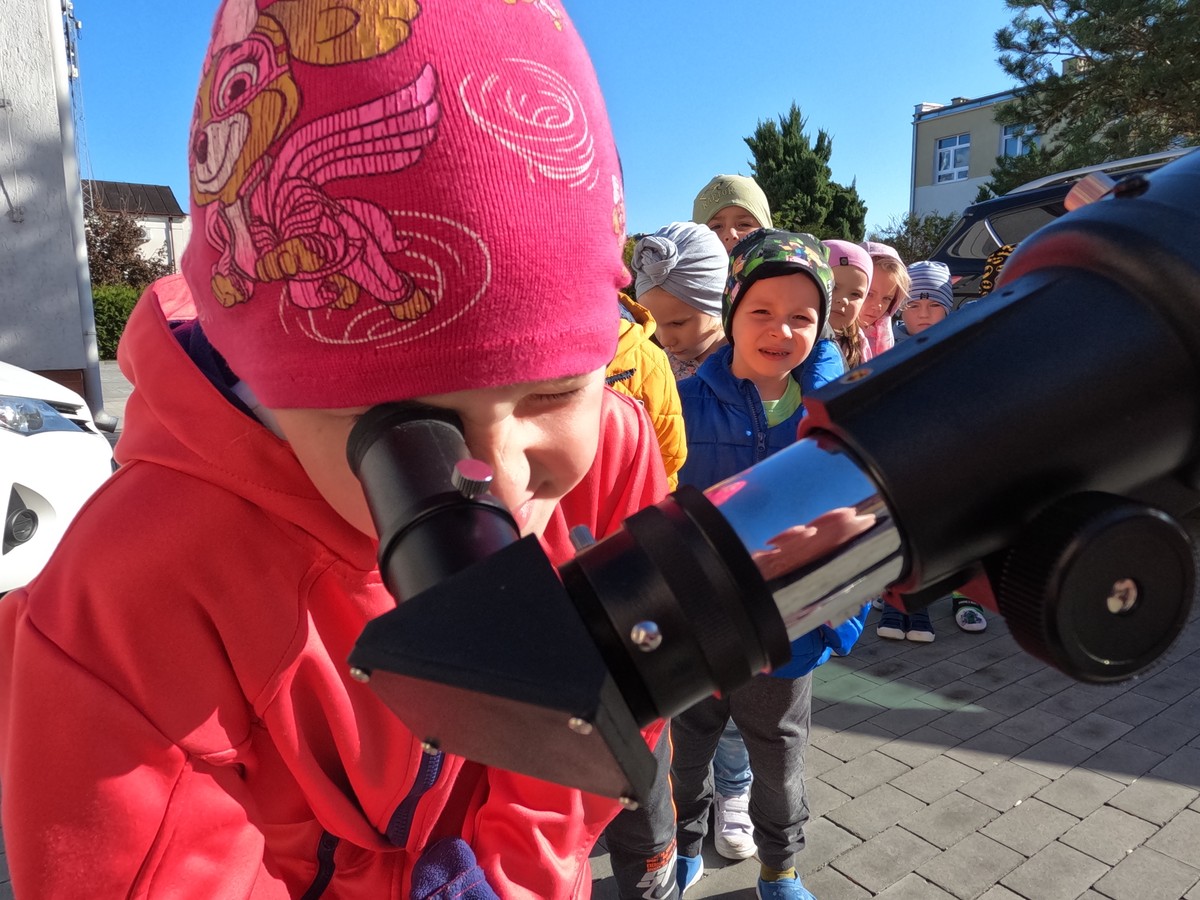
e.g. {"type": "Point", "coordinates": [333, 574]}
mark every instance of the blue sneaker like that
{"type": "Point", "coordinates": [688, 870]}
{"type": "Point", "coordinates": [920, 627]}
{"type": "Point", "coordinates": [893, 624]}
{"type": "Point", "coordinates": [787, 889]}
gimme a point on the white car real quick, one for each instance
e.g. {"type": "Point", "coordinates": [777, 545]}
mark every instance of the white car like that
{"type": "Point", "coordinates": [52, 458]}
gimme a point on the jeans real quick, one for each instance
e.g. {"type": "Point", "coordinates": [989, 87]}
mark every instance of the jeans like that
{"type": "Point", "coordinates": [731, 763]}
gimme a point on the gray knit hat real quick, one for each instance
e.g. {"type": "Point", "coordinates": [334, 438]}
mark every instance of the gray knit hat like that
{"type": "Point", "coordinates": [686, 260]}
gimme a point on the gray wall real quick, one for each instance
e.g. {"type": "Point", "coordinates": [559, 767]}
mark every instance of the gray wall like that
{"type": "Point", "coordinates": [41, 324]}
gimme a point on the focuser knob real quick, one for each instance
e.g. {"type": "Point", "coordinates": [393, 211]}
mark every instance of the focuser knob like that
{"type": "Point", "coordinates": [1098, 586]}
{"type": "Point", "coordinates": [471, 477]}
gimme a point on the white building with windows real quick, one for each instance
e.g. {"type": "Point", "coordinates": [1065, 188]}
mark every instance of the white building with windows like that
{"type": "Point", "coordinates": [955, 147]}
{"type": "Point", "coordinates": [167, 226]}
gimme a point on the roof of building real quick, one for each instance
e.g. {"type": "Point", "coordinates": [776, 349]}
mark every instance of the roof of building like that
{"type": "Point", "coordinates": [143, 199]}
{"type": "Point", "coordinates": [959, 104]}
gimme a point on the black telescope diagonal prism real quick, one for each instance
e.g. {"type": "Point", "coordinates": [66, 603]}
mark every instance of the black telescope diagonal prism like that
{"type": "Point", "coordinates": [1042, 444]}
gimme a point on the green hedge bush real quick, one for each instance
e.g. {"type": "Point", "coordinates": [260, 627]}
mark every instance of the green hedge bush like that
{"type": "Point", "coordinates": [113, 304]}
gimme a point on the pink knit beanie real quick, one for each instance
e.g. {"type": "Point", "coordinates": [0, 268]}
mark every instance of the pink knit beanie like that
{"type": "Point", "coordinates": [394, 198]}
{"type": "Point", "coordinates": [877, 249]}
{"type": "Point", "coordinates": [844, 253]}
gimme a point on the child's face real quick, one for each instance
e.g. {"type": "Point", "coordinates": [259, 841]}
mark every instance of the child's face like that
{"type": "Point", "coordinates": [732, 223]}
{"type": "Point", "coordinates": [774, 329]}
{"type": "Point", "coordinates": [681, 329]}
{"type": "Point", "coordinates": [849, 291]}
{"type": "Point", "coordinates": [880, 298]}
{"type": "Point", "coordinates": [920, 314]}
{"type": "Point", "coordinates": [540, 439]}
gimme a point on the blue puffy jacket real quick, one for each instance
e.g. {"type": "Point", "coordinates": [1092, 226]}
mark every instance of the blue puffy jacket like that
{"type": "Point", "coordinates": [812, 649]}
{"type": "Point", "coordinates": [822, 366]}
{"type": "Point", "coordinates": [727, 432]}
{"type": "Point", "coordinates": [724, 418]}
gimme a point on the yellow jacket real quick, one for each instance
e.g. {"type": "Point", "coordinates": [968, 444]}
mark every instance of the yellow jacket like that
{"type": "Point", "coordinates": [642, 371]}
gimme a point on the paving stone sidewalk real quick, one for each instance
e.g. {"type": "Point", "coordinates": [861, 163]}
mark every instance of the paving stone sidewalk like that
{"type": "Point", "coordinates": [115, 390]}
{"type": "Point", "coordinates": [966, 768]}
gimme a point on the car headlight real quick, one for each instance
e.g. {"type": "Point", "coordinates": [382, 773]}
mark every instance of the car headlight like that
{"type": "Point", "coordinates": [25, 415]}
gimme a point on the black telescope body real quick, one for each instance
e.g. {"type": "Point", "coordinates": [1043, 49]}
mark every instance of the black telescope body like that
{"type": "Point", "coordinates": [1042, 442]}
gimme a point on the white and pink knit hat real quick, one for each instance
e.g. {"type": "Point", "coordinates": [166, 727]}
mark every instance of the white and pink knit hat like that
{"type": "Point", "coordinates": [394, 198]}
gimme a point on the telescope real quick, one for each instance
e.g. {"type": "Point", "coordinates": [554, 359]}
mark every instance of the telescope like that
{"type": "Point", "coordinates": [1040, 446]}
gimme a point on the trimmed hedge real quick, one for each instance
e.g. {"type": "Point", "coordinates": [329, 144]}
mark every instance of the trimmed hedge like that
{"type": "Point", "coordinates": [113, 303]}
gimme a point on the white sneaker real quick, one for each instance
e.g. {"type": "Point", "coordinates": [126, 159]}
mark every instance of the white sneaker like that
{"type": "Point", "coordinates": [969, 617]}
{"type": "Point", "coordinates": [734, 836]}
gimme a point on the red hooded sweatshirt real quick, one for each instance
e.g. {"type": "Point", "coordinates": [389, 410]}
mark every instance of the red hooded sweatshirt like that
{"type": "Point", "coordinates": [176, 714]}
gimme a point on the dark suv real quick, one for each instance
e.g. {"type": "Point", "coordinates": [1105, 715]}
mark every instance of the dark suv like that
{"type": "Point", "coordinates": [1008, 219]}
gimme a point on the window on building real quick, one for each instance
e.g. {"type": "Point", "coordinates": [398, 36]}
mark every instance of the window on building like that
{"type": "Point", "coordinates": [1017, 140]}
{"type": "Point", "coordinates": [953, 158]}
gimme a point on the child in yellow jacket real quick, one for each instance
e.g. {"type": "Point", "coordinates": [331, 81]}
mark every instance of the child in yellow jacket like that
{"type": "Point", "coordinates": [642, 371]}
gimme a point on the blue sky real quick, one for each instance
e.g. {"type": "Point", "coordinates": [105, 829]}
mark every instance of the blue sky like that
{"type": "Point", "coordinates": [685, 82]}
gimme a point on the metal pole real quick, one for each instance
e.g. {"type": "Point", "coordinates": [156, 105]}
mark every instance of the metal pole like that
{"type": "Point", "coordinates": [92, 390]}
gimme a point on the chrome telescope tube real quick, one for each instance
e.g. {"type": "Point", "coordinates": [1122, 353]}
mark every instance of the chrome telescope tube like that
{"type": "Point", "coordinates": [818, 530]}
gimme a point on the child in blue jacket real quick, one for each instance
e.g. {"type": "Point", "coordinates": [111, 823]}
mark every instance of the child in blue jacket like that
{"type": "Point", "coordinates": [744, 404]}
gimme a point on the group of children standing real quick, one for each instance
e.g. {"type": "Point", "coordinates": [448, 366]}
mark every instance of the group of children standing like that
{"type": "Point", "coordinates": [752, 319]}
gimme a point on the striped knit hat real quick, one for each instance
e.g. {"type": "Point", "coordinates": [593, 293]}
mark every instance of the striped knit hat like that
{"type": "Point", "coordinates": [931, 281]}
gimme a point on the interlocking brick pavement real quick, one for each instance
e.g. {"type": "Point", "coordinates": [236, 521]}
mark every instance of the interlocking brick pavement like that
{"type": "Point", "coordinates": [968, 769]}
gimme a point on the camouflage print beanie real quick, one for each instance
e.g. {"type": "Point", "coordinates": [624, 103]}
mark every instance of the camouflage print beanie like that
{"type": "Point", "coordinates": [768, 253]}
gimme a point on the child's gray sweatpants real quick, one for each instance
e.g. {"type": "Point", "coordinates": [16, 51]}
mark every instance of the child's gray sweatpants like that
{"type": "Point", "coordinates": [773, 715]}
